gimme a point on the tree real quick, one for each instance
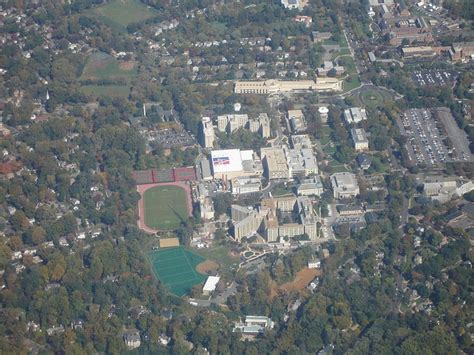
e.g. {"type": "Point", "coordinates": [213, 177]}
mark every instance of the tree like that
{"type": "Point", "coordinates": [222, 204]}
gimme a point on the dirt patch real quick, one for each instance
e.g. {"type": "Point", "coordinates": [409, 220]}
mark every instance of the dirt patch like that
{"type": "Point", "coordinates": [127, 65]}
{"type": "Point", "coordinates": [234, 253]}
{"type": "Point", "coordinates": [169, 242]}
{"type": "Point", "coordinates": [207, 267]}
{"type": "Point", "coordinates": [302, 279]}
{"type": "Point", "coordinates": [273, 290]}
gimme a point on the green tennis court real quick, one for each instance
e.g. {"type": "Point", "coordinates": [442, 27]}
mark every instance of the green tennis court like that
{"type": "Point", "coordinates": [176, 269]}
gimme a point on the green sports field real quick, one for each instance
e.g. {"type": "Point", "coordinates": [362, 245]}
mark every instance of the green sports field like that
{"type": "Point", "coordinates": [176, 269]}
{"type": "Point", "coordinates": [101, 66]}
{"type": "Point", "coordinates": [120, 13]}
{"type": "Point", "coordinates": [165, 207]}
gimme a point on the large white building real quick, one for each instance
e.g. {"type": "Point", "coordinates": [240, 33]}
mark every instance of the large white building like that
{"type": "Point", "coordinates": [274, 163]}
{"type": "Point", "coordinates": [301, 162]}
{"type": "Point", "coordinates": [296, 119]}
{"type": "Point", "coordinates": [310, 186]}
{"type": "Point", "coordinates": [443, 189]}
{"type": "Point", "coordinates": [245, 185]}
{"type": "Point", "coordinates": [359, 140]}
{"type": "Point", "coordinates": [344, 185]}
{"type": "Point", "coordinates": [253, 325]}
{"type": "Point", "coordinates": [300, 141]}
{"type": "Point", "coordinates": [261, 125]}
{"type": "Point", "coordinates": [207, 133]}
{"type": "Point", "coordinates": [231, 163]}
{"type": "Point", "coordinates": [275, 86]}
{"type": "Point", "coordinates": [210, 285]}
{"type": "Point", "coordinates": [355, 115]}
{"type": "Point", "coordinates": [247, 221]}
{"type": "Point", "coordinates": [231, 123]}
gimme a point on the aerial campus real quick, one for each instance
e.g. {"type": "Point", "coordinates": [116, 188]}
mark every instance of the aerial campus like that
{"type": "Point", "coordinates": [237, 177]}
{"type": "Point", "coordinates": [293, 187]}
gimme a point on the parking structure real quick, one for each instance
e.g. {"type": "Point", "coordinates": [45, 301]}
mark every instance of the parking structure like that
{"type": "Point", "coordinates": [434, 77]}
{"type": "Point", "coordinates": [425, 140]}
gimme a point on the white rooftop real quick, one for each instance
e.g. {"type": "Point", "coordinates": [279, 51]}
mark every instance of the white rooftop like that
{"type": "Point", "coordinates": [228, 160]}
{"type": "Point", "coordinates": [211, 283]}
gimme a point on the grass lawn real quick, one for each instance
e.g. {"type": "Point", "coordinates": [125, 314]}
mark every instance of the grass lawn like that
{"type": "Point", "coordinates": [349, 64]}
{"type": "Point", "coordinates": [329, 150]}
{"type": "Point", "coordinates": [101, 66]}
{"type": "Point", "coordinates": [351, 84]}
{"type": "Point", "coordinates": [176, 269]}
{"type": "Point", "coordinates": [281, 190]}
{"type": "Point", "coordinates": [220, 254]}
{"type": "Point", "coordinates": [377, 165]}
{"type": "Point", "coordinates": [371, 98]}
{"type": "Point", "coordinates": [325, 136]}
{"type": "Point", "coordinates": [325, 139]}
{"type": "Point", "coordinates": [120, 13]}
{"type": "Point", "coordinates": [106, 90]}
{"type": "Point", "coordinates": [337, 168]}
{"type": "Point", "coordinates": [165, 207]}
{"type": "Point", "coordinates": [341, 42]}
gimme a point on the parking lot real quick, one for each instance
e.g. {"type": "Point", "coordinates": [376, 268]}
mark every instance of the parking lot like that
{"type": "Point", "coordinates": [434, 77]}
{"type": "Point", "coordinates": [425, 141]}
{"type": "Point", "coordinates": [170, 138]}
{"type": "Point", "coordinates": [459, 139]}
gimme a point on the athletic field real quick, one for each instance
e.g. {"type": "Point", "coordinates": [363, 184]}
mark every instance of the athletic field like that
{"type": "Point", "coordinates": [176, 269]}
{"type": "Point", "coordinates": [165, 207]}
{"type": "Point", "coordinates": [120, 13]}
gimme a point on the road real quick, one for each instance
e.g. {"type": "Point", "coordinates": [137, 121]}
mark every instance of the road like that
{"type": "Point", "coordinates": [219, 299]}
{"type": "Point", "coordinates": [405, 215]}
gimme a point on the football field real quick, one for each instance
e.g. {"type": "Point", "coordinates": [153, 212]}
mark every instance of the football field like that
{"type": "Point", "coordinates": [165, 207]}
{"type": "Point", "coordinates": [176, 269]}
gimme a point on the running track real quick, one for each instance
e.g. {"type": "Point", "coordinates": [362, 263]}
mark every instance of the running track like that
{"type": "Point", "coordinates": [141, 204]}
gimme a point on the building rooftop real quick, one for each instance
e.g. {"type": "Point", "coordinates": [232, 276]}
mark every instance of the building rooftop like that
{"type": "Point", "coordinates": [344, 181]}
{"type": "Point", "coordinates": [355, 115]}
{"type": "Point", "coordinates": [211, 283]}
{"type": "Point", "coordinates": [228, 160]}
{"type": "Point", "coordinates": [359, 135]}
{"type": "Point", "coordinates": [299, 141]}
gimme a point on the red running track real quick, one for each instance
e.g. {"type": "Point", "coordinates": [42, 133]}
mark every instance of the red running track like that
{"type": "Point", "coordinates": [141, 204]}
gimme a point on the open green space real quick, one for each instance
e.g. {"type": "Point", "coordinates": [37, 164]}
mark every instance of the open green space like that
{"type": "Point", "coordinates": [337, 167]}
{"type": "Point", "coordinates": [341, 41]}
{"type": "Point", "coordinates": [176, 269]}
{"type": "Point", "coordinates": [120, 91]}
{"type": "Point", "coordinates": [281, 190]}
{"type": "Point", "coordinates": [101, 66]}
{"type": "Point", "coordinates": [349, 65]}
{"type": "Point", "coordinates": [120, 13]}
{"type": "Point", "coordinates": [371, 98]}
{"type": "Point", "coordinates": [351, 82]}
{"type": "Point", "coordinates": [165, 207]}
{"type": "Point", "coordinates": [329, 150]}
{"type": "Point", "coordinates": [248, 254]}
{"type": "Point", "coordinates": [343, 52]}
{"type": "Point", "coordinates": [325, 136]}
{"type": "Point", "coordinates": [220, 254]}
